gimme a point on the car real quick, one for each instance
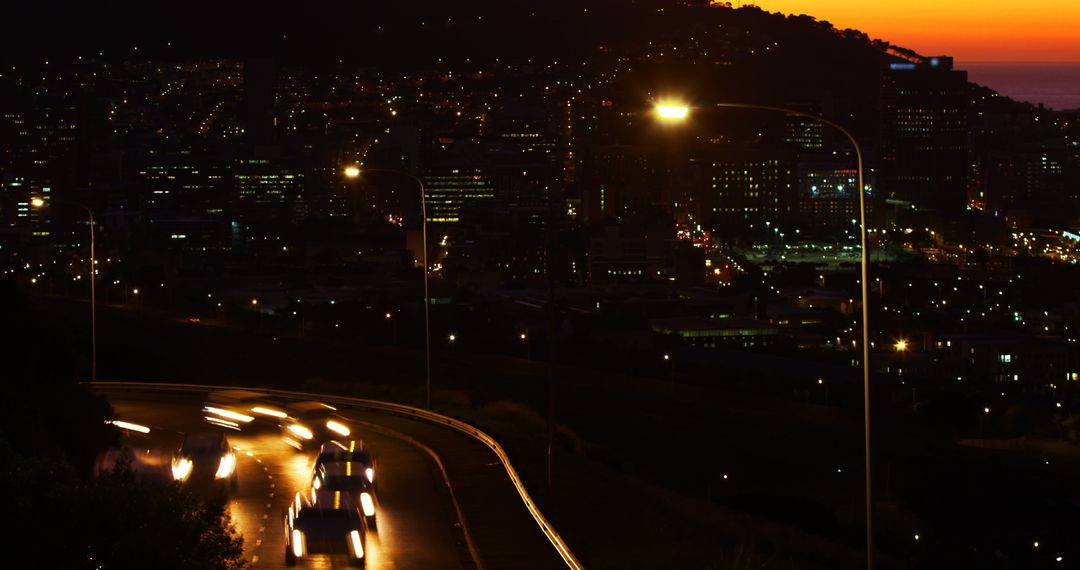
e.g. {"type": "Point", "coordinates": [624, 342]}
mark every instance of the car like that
{"type": "Point", "coordinates": [325, 522]}
{"type": "Point", "coordinates": [353, 451]}
{"type": "Point", "coordinates": [349, 477]}
{"type": "Point", "coordinates": [310, 424]}
{"type": "Point", "coordinates": [242, 409]}
{"type": "Point", "coordinates": [205, 458]}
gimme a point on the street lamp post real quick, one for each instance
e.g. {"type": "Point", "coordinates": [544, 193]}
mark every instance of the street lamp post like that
{"type": "Point", "coordinates": [675, 112]}
{"type": "Point", "coordinates": [40, 203]}
{"type": "Point", "coordinates": [354, 171]}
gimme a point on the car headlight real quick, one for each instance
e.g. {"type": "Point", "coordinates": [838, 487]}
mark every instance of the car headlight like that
{"type": "Point", "coordinates": [357, 546]}
{"type": "Point", "coordinates": [370, 472]}
{"type": "Point", "coordinates": [226, 466]}
{"type": "Point", "coordinates": [368, 504]}
{"type": "Point", "coordinates": [338, 428]}
{"type": "Point", "coordinates": [228, 414]}
{"type": "Point", "coordinates": [269, 412]}
{"type": "Point", "coordinates": [301, 431]}
{"type": "Point", "coordinates": [297, 543]}
{"type": "Point", "coordinates": [181, 468]}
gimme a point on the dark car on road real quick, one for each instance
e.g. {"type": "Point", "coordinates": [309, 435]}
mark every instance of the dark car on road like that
{"type": "Point", "coordinates": [325, 522]}
{"type": "Point", "coordinates": [353, 451]}
{"type": "Point", "coordinates": [349, 477]}
{"type": "Point", "coordinates": [205, 458]}
{"type": "Point", "coordinates": [310, 424]}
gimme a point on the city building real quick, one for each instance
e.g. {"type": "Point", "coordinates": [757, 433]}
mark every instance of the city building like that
{"type": "Point", "coordinates": [448, 189]}
{"type": "Point", "coordinates": [747, 189]}
{"type": "Point", "coordinates": [924, 134]}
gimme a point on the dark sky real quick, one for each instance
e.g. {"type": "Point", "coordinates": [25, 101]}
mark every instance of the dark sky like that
{"type": "Point", "coordinates": [365, 30]}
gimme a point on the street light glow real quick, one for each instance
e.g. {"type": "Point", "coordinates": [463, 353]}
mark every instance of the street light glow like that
{"type": "Point", "coordinates": [37, 202]}
{"type": "Point", "coordinates": [671, 111]}
{"type": "Point", "coordinates": [352, 171]}
{"type": "Point", "coordinates": [901, 345]}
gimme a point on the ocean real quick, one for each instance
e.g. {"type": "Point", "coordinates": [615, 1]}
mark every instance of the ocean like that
{"type": "Point", "coordinates": [1055, 84]}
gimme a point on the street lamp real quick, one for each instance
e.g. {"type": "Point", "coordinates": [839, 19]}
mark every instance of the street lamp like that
{"type": "Point", "coordinates": [901, 345]}
{"type": "Point", "coordinates": [670, 112]}
{"type": "Point", "coordinates": [353, 171]}
{"type": "Point", "coordinates": [38, 202]}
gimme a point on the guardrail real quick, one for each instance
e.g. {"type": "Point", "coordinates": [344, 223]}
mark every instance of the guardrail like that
{"type": "Point", "coordinates": [379, 406]}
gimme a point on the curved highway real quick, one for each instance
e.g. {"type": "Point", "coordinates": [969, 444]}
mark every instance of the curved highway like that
{"type": "Point", "coordinates": [443, 499]}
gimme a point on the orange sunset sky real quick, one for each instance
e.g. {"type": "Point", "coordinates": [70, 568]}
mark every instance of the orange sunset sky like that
{"type": "Point", "coordinates": [969, 30]}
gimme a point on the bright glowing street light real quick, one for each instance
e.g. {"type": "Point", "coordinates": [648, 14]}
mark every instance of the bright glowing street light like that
{"type": "Point", "coordinates": [671, 111]}
{"type": "Point", "coordinates": [900, 346]}
{"type": "Point", "coordinates": [352, 171]}
{"type": "Point", "coordinates": [37, 202]}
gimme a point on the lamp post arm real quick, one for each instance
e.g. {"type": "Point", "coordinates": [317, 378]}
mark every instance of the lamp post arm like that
{"type": "Point", "coordinates": [865, 297]}
{"type": "Point", "coordinates": [424, 261]}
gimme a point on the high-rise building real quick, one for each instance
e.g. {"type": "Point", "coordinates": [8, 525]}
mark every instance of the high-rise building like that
{"type": "Point", "coordinates": [448, 189]}
{"type": "Point", "coordinates": [747, 189]}
{"type": "Point", "coordinates": [827, 196]}
{"type": "Point", "coordinates": [924, 135]}
{"type": "Point", "coordinates": [619, 180]}
{"type": "Point", "coordinates": [268, 191]}
{"type": "Point", "coordinates": [185, 203]}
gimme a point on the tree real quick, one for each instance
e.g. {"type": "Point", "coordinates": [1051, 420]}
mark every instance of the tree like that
{"type": "Point", "coordinates": [57, 519]}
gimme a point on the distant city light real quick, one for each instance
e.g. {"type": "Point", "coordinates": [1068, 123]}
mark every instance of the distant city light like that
{"type": "Point", "coordinates": [37, 202]}
{"type": "Point", "coordinates": [900, 346]}
{"type": "Point", "coordinates": [352, 171]}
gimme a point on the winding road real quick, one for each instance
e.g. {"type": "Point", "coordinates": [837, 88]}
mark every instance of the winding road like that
{"type": "Point", "coordinates": [444, 498]}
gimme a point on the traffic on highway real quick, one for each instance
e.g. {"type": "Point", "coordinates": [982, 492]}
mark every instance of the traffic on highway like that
{"type": "Point", "coordinates": [299, 479]}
